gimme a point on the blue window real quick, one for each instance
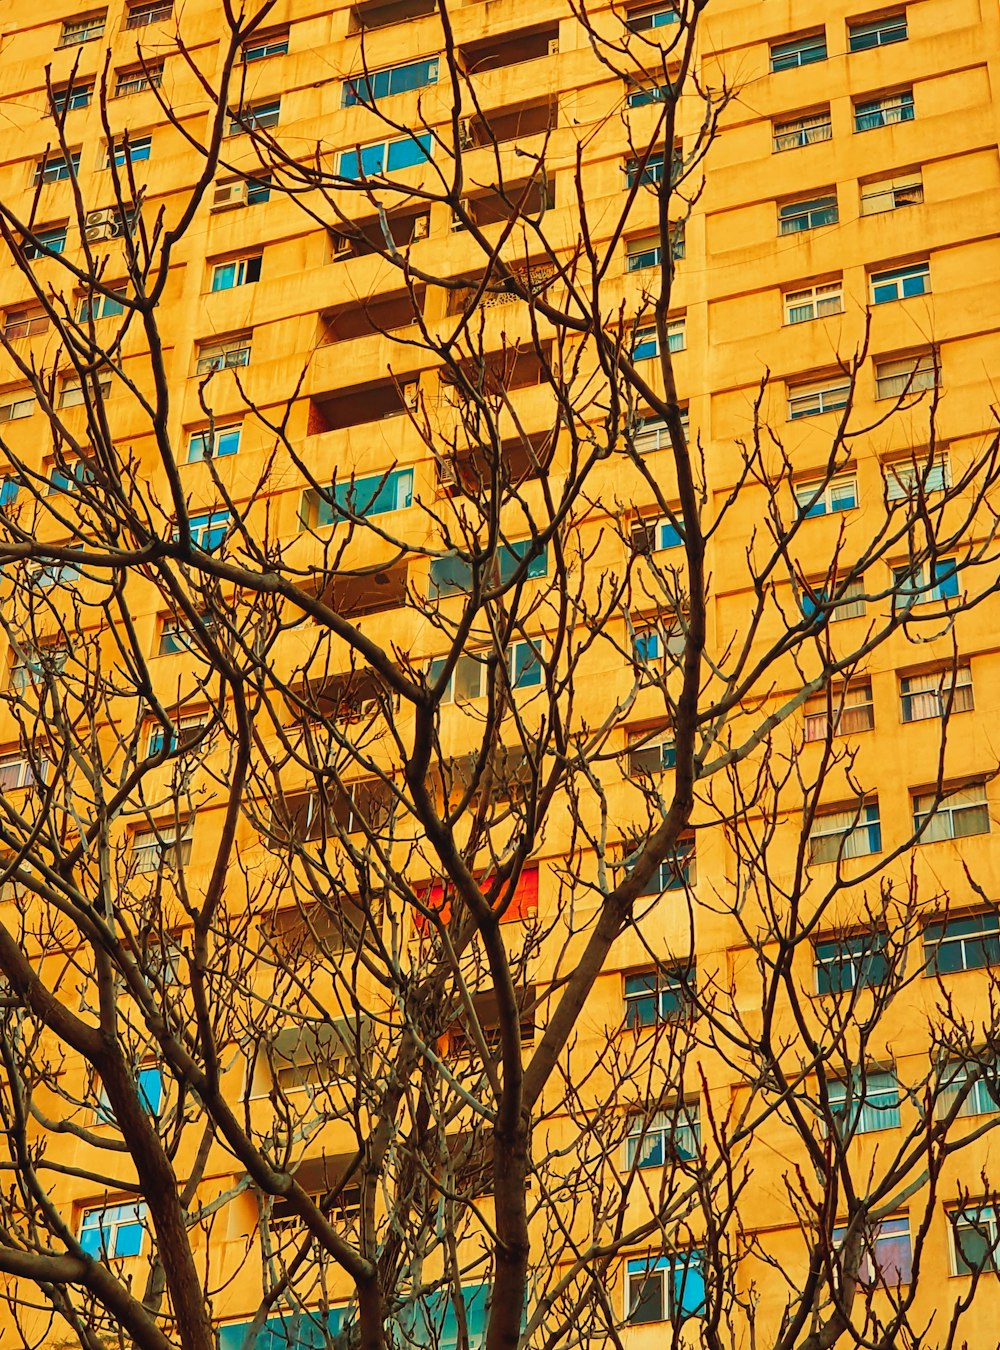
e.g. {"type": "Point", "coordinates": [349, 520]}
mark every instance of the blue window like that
{"type": "Point", "coordinates": [646, 345]}
{"type": "Point", "coordinates": [101, 307]}
{"type": "Point", "coordinates": [57, 168]}
{"type": "Point", "coordinates": [666, 1288]}
{"type": "Point", "coordinates": [207, 529]}
{"type": "Point", "coordinates": [433, 1322]}
{"type": "Point", "coordinates": [255, 117]}
{"type": "Point", "coordinates": [268, 44]}
{"type": "Point", "coordinates": [150, 1085]}
{"type": "Point", "coordinates": [213, 444]}
{"type": "Point", "coordinates": [917, 586]}
{"type": "Point", "coordinates": [651, 16]}
{"type": "Point", "coordinates": [870, 114]}
{"type": "Point", "coordinates": [966, 943]}
{"type": "Point", "coordinates": [72, 97]}
{"type": "Point", "coordinates": [668, 535]}
{"type": "Point", "coordinates": [878, 32]}
{"type": "Point", "coordinates": [69, 476]}
{"type": "Point", "coordinates": [236, 272]}
{"type": "Point", "coordinates": [650, 176]}
{"type": "Point", "coordinates": [800, 51]}
{"type": "Point", "coordinates": [9, 488]}
{"type": "Point", "coordinates": [807, 215]}
{"type": "Point", "coordinates": [113, 1232]}
{"type": "Point", "coordinates": [649, 93]}
{"type": "Point", "coordinates": [369, 496]}
{"type": "Point", "coordinates": [134, 151]}
{"type": "Point", "coordinates": [657, 996]}
{"type": "Point", "coordinates": [524, 665]}
{"type": "Point", "coordinates": [385, 157]}
{"type": "Point", "coordinates": [839, 835]}
{"type": "Point", "coordinates": [847, 963]}
{"type": "Point", "coordinates": [395, 80]}
{"type": "Point", "coordinates": [823, 498]}
{"type": "Point", "coordinates": [676, 871]}
{"type": "Point", "coordinates": [901, 283]}
{"type": "Point", "coordinates": [54, 240]}
{"type": "Point", "coordinates": [286, 1331]}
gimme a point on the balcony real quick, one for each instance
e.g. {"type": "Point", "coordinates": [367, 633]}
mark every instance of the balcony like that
{"type": "Point", "coordinates": [513, 49]}
{"type": "Point", "coordinates": [381, 316]}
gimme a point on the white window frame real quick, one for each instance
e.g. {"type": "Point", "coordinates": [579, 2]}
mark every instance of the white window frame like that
{"type": "Point", "coordinates": [874, 1101]}
{"type": "Point", "coordinates": [197, 442]}
{"type": "Point", "coordinates": [907, 479]}
{"type": "Point", "coordinates": [260, 115]}
{"type": "Point", "coordinates": [668, 1136]}
{"type": "Point", "coordinates": [17, 772]}
{"type": "Point", "coordinates": [16, 409]}
{"type": "Point", "coordinates": [851, 709]}
{"type": "Point", "coordinates": [822, 300]}
{"type": "Point", "coordinates": [827, 497]}
{"type": "Point", "coordinates": [136, 80]}
{"type": "Point", "coordinates": [795, 133]}
{"type": "Point", "coordinates": [934, 691]}
{"type": "Point", "coordinates": [896, 278]}
{"type": "Point", "coordinates": [77, 31]}
{"type": "Point", "coordinates": [818, 397]}
{"type": "Point", "coordinates": [839, 836]}
{"type": "Point", "coordinates": [906, 376]}
{"type": "Point", "coordinates": [467, 665]}
{"type": "Point", "coordinates": [155, 847]}
{"type": "Point", "coordinates": [797, 47]}
{"type": "Point", "coordinates": [111, 1221]}
{"type": "Point", "coordinates": [887, 110]}
{"type": "Point", "coordinates": [960, 813]}
{"type": "Point", "coordinates": [889, 190]}
{"type": "Point", "coordinates": [986, 1217]}
{"type": "Point", "coordinates": [912, 585]}
{"type": "Point", "coordinates": [225, 354]}
{"type": "Point", "coordinates": [650, 750]}
{"type": "Point", "coordinates": [984, 1094]}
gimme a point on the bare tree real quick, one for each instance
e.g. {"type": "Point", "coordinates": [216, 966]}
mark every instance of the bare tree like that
{"type": "Point", "coordinates": [347, 774]}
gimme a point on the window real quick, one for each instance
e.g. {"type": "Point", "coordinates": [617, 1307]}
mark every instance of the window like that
{"type": "Point", "coordinates": [917, 586]}
{"type": "Point", "coordinates": [96, 307]}
{"type": "Point", "coordinates": [650, 751]}
{"type": "Point", "coordinates": [869, 1102]}
{"type": "Point", "coordinates": [75, 31]}
{"type": "Point", "coordinates": [652, 643]}
{"type": "Point", "coordinates": [650, 536]}
{"type": "Point", "coordinates": [877, 32]}
{"type": "Point", "coordinates": [134, 150]}
{"type": "Point", "coordinates": [800, 51]}
{"type": "Point", "coordinates": [962, 812]}
{"type": "Point", "coordinates": [55, 573]}
{"type": "Point", "coordinates": [259, 48]}
{"type": "Point", "coordinates": [890, 194]}
{"type": "Point", "coordinates": [670, 1135]}
{"type": "Point", "coordinates": [644, 18]}
{"type": "Point", "coordinates": [254, 117]}
{"type": "Point", "coordinates": [236, 272]}
{"type": "Point", "coordinates": [838, 835]}
{"type": "Point", "coordinates": [113, 1231]}
{"type": "Point", "coordinates": [884, 111]}
{"type": "Point", "coordinates": [147, 12]}
{"type": "Point", "coordinates": [650, 176]}
{"type": "Point", "coordinates": [25, 321]}
{"type": "Point", "coordinates": [258, 190]}
{"type": "Point", "coordinates": [316, 1053]}
{"type": "Point", "coordinates": [906, 375]}
{"type": "Point", "coordinates": [289, 1331]}
{"type": "Point", "coordinates": [207, 529]}
{"type": "Point", "coordinates": [214, 443]}
{"type": "Point", "coordinates": [162, 846]}
{"type": "Point", "coordinates": [799, 131]}
{"type": "Point", "coordinates": [68, 475]}
{"type": "Point", "coordinates": [389, 156]}
{"type": "Point", "coordinates": [452, 575]}
{"type": "Point", "coordinates": [17, 771]}
{"type": "Point", "coordinates": [72, 393]}
{"type": "Point", "coordinates": [524, 665]}
{"type": "Point", "coordinates": [183, 729]}
{"type": "Point", "coordinates": [666, 1288]}
{"type": "Point", "coordinates": [641, 95]}
{"type": "Point", "coordinates": [658, 996]}
{"type": "Point", "coordinates": [908, 479]}
{"type": "Point", "coordinates": [9, 488]}
{"type": "Point", "coordinates": [823, 396]}
{"type": "Point", "coordinates": [224, 354]}
{"type": "Point", "coordinates": [149, 1085]}
{"type": "Point", "coordinates": [847, 963]}
{"type": "Point", "coordinates": [886, 1256]}
{"type": "Point", "coordinates": [677, 870]}
{"type": "Point", "coordinates": [394, 80]}
{"type": "Point", "coordinates": [814, 302]}
{"type": "Point", "coordinates": [73, 96]}
{"type": "Point", "coordinates": [467, 679]}
{"type": "Point", "coordinates": [646, 343]}
{"type": "Point", "coordinates": [176, 636]}
{"type": "Point", "coordinates": [647, 251]}
{"type": "Point", "coordinates": [56, 168]}
{"type": "Point", "coordinates": [968, 942]}
{"type": "Point", "coordinates": [53, 239]}
{"type": "Point", "coordinates": [16, 409]}
{"type": "Point", "coordinates": [136, 79]}
{"type": "Point", "coordinates": [807, 215]}
{"type": "Point", "coordinates": [976, 1234]}
{"type": "Point", "coordinates": [845, 713]}
{"type": "Point", "coordinates": [823, 498]}
{"type": "Point", "coordinates": [981, 1080]}
{"type": "Point", "coordinates": [900, 283]}
{"type": "Point", "coordinates": [371, 495]}
{"type": "Point", "coordinates": [32, 666]}
{"type": "Point", "coordinates": [935, 693]}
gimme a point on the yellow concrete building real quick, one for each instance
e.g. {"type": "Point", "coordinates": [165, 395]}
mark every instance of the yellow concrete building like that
{"type": "Point", "coordinates": [833, 323]}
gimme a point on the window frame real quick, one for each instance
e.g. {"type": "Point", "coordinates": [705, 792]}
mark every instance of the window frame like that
{"type": "Point", "coordinates": [246, 270]}
{"type": "Point", "coordinates": [884, 110]}
{"type": "Point", "coordinates": [910, 381]}
{"type": "Point", "coordinates": [795, 133]}
{"type": "Point", "coordinates": [75, 32]}
{"type": "Point", "coordinates": [871, 1271]}
{"type": "Point", "coordinates": [815, 213]}
{"type": "Point", "coordinates": [877, 28]}
{"type": "Point", "coordinates": [830, 495]}
{"type": "Point", "coordinates": [261, 115]}
{"type": "Point", "coordinates": [949, 689]}
{"type": "Point", "coordinates": [896, 279]}
{"type": "Point", "coordinates": [262, 46]}
{"type": "Point", "coordinates": [665, 993]}
{"type": "Point", "coordinates": [127, 1216]}
{"type": "Point", "coordinates": [157, 847]}
{"type": "Point", "coordinates": [854, 954]}
{"type": "Point", "coordinates": [239, 345]}
{"type": "Point", "coordinates": [857, 821]}
{"type": "Point", "coordinates": [943, 819]}
{"type": "Point", "coordinates": [891, 186]}
{"type": "Point", "coordinates": [868, 1102]}
{"type": "Point", "coordinates": [352, 96]}
{"type": "Point", "coordinates": [670, 1135]}
{"type": "Point", "coordinates": [225, 441]}
{"type": "Point", "coordinates": [960, 1265]}
{"type": "Point", "coordinates": [828, 395]}
{"type": "Point", "coordinates": [137, 79]}
{"type": "Point", "coordinates": [643, 1272]}
{"type": "Point", "coordinates": [814, 298]}
{"type": "Point", "coordinates": [799, 47]}
{"type": "Point", "coordinates": [817, 711]}
{"type": "Point", "coordinates": [910, 588]}
{"type": "Point", "coordinates": [380, 168]}
{"type": "Point", "coordinates": [660, 16]}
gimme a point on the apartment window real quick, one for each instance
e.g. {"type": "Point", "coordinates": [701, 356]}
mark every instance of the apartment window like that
{"type": "Point", "coordinates": [53, 238]}
{"type": "Point", "coordinates": [236, 272]}
{"type": "Point", "coordinates": [73, 395]}
{"type": "Point", "coordinates": [643, 253]}
{"type": "Point", "coordinates": [887, 1253]}
{"type": "Point", "coordinates": [814, 302]}
{"type": "Point", "coordinates": [821, 396]}
{"type": "Point", "coordinates": [867, 1103]}
{"type": "Point", "coordinates": [110, 306]}
{"type": "Point", "coordinates": [962, 812]}
{"type": "Point", "coordinates": [372, 495]}
{"type": "Point", "coordinates": [226, 354]}
{"type": "Point", "coordinates": [827, 496]}
{"type": "Point", "coordinates": [69, 475]}
{"type": "Point", "coordinates": [151, 11]}
{"type": "Point", "coordinates": [658, 996]}
{"type": "Point", "coordinates": [879, 32]}
{"type": "Point", "coordinates": [884, 111]}
{"type": "Point", "coordinates": [845, 712]}
{"type": "Point", "coordinates": [654, 642]}
{"type": "Point", "coordinates": [677, 870]}
{"type": "Point", "coordinates": [45, 575]}
{"type": "Point", "coordinates": [968, 942]}
{"type": "Point", "coordinates": [650, 751]}
{"type": "Point", "coordinates": [981, 1082]}
{"type": "Point", "coordinates": [136, 79]}
{"type": "Point", "coordinates": [14, 409]}
{"type": "Point", "coordinates": [651, 433]}
{"type": "Point", "coordinates": [135, 150]}
{"type": "Point", "coordinates": [651, 536]}
{"type": "Point", "coordinates": [56, 168]}
{"type": "Point", "coordinates": [162, 846]}
{"type": "Point", "coordinates": [668, 1136]}
{"type": "Point", "coordinates": [976, 1233]}
{"type": "Point", "coordinates": [25, 321]}
{"type": "Point", "coordinates": [389, 156]}
{"type": "Point", "coordinates": [258, 191]}
{"type": "Point", "coordinates": [666, 1288]}
{"type": "Point", "coordinates": [847, 963]}
{"type": "Point", "coordinates": [149, 1087]}
{"type": "Point", "coordinates": [113, 1231]}
{"type": "Point", "coordinates": [647, 345]}
{"type": "Point", "coordinates": [207, 529]}
{"type": "Point", "coordinates": [800, 131]}
{"type": "Point", "coordinates": [935, 693]}
{"type": "Point", "coordinates": [73, 96]}
{"type": "Point", "coordinates": [640, 96]}
{"type": "Point", "coordinates": [254, 117]}
{"type": "Point", "coordinates": [452, 575]}
{"type": "Point", "coordinates": [524, 665]}
{"type": "Point", "coordinates": [466, 681]}
{"type": "Point", "coordinates": [176, 636]}
{"type": "Point", "coordinates": [18, 771]}
{"type": "Point", "coordinates": [646, 17]}
{"type": "Point", "coordinates": [891, 194]}
{"type": "Point", "coordinates": [836, 836]}
{"type": "Point", "coordinates": [651, 175]}
{"type": "Point", "coordinates": [906, 375]}
{"type": "Point", "coordinates": [907, 479]}
{"type": "Point", "coordinates": [810, 214]}
{"type": "Point", "coordinates": [214, 443]}
{"type": "Point", "coordinates": [922, 585]}
{"type": "Point", "coordinates": [182, 729]}
{"type": "Point", "coordinates": [76, 31]}
{"type": "Point", "coordinates": [267, 44]}
{"type": "Point", "coordinates": [799, 51]}
{"type": "Point", "coordinates": [900, 283]}
{"type": "Point", "coordinates": [9, 488]}
{"type": "Point", "coordinates": [393, 80]}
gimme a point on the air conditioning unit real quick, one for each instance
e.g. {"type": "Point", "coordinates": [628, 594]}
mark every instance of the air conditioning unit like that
{"type": "Point", "coordinates": [103, 224]}
{"type": "Point", "coordinates": [553, 46]}
{"type": "Point", "coordinates": [447, 474]}
{"type": "Point", "coordinates": [465, 138]}
{"type": "Point", "coordinates": [421, 227]}
{"type": "Point", "coordinates": [227, 195]}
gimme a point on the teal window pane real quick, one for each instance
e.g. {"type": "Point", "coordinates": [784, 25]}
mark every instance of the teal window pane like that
{"type": "Point", "coordinates": [526, 669]}
{"type": "Point", "coordinates": [150, 1084]}
{"type": "Point", "coordinates": [449, 576]}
